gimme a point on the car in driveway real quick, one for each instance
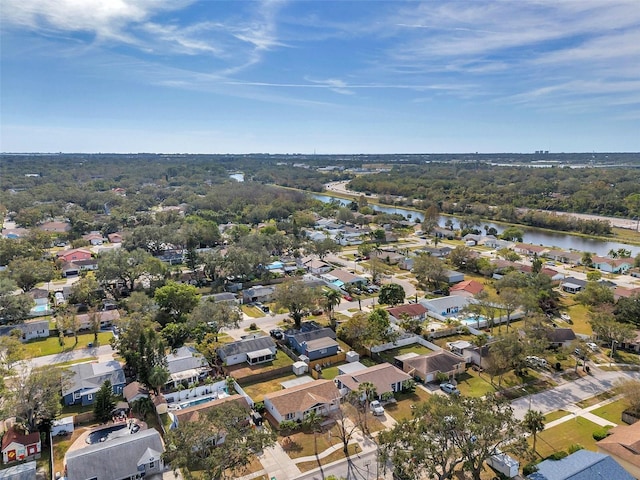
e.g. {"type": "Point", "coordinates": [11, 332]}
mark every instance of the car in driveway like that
{"type": "Point", "coordinates": [449, 388]}
{"type": "Point", "coordinates": [277, 333]}
{"type": "Point", "coordinates": [376, 408]}
{"type": "Point", "coordinates": [592, 346]}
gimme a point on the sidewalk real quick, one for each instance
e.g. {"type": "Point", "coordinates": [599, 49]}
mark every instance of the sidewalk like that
{"type": "Point", "coordinates": [575, 412]}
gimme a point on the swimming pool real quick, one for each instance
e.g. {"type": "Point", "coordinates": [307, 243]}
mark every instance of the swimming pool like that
{"type": "Point", "coordinates": [473, 321]}
{"type": "Point", "coordinates": [200, 400]}
{"type": "Point", "coordinates": [40, 309]}
{"type": "Point", "coordinates": [109, 433]}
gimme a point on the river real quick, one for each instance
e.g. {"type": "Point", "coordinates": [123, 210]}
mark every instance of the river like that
{"type": "Point", "coordinates": [534, 236]}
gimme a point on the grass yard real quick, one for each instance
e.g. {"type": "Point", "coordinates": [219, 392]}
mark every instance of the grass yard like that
{"type": "Point", "coordinates": [442, 342]}
{"type": "Point", "coordinates": [578, 314]}
{"type": "Point", "coordinates": [388, 355]}
{"type": "Point", "coordinates": [331, 372]}
{"type": "Point", "coordinates": [61, 446]}
{"type": "Point", "coordinates": [258, 390]}
{"type": "Point", "coordinates": [303, 444]}
{"type": "Point", "coordinates": [625, 357]}
{"type": "Point", "coordinates": [243, 370]}
{"type": "Point", "coordinates": [597, 399]}
{"type": "Point", "coordinates": [612, 411]}
{"type": "Point", "coordinates": [51, 345]}
{"type": "Point", "coordinates": [551, 416]}
{"type": "Point", "coordinates": [337, 455]}
{"type": "Point", "coordinates": [251, 311]}
{"type": "Point", "coordinates": [472, 384]}
{"type": "Point", "coordinates": [404, 401]}
{"type": "Point", "coordinates": [561, 437]}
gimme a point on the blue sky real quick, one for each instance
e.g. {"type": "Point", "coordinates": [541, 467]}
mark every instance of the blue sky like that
{"type": "Point", "coordinates": [328, 76]}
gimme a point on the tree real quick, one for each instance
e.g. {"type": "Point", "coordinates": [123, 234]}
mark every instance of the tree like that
{"type": "Point", "coordinates": [587, 259]}
{"type": "Point", "coordinates": [627, 310]}
{"type": "Point", "coordinates": [27, 272]}
{"type": "Point", "coordinates": [175, 334]}
{"type": "Point", "coordinates": [630, 390]}
{"type": "Point", "coordinates": [221, 443]}
{"type": "Point", "coordinates": [363, 330]}
{"type": "Point", "coordinates": [13, 307]}
{"type": "Point", "coordinates": [363, 396]}
{"type": "Point", "coordinates": [447, 432]}
{"type": "Point", "coordinates": [177, 299]}
{"type": "Point", "coordinates": [35, 395]}
{"type": "Point", "coordinates": [391, 294]}
{"type": "Point", "coordinates": [510, 300]}
{"type": "Point", "coordinates": [94, 324]}
{"type": "Point", "coordinates": [512, 234]}
{"type": "Point", "coordinates": [505, 353]}
{"type": "Point", "coordinates": [533, 422]}
{"type": "Point", "coordinates": [595, 293]}
{"type": "Point", "coordinates": [462, 257]}
{"type": "Point", "coordinates": [67, 322]}
{"type": "Point", "coordinates": [104, 402]}
{"type": "Point", "coordinates": [158, 377]}
{"type": "Point", "coordinates": [431, 219]}
{"type": "Point", "coordinates": [294, 295]}
{"type": "Point", "coordinates": [120, 269]}
{"type": "Point", "coordinates": [608, 330]}
{"type": "Point", "coordinates": [344, 428]}
{"type": "Point", "coordinates": [430, 271]}
{"type": "Point", "coordinates": [215, 316]}
{"type": "Point", "coordinates": [330, 300]}
{"type": "Point", "coordinates": [86, 290]}
{"type": "Point", "coordinates": [325, 246]}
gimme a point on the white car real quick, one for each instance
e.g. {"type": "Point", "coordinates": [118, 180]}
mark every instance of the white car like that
{"type": "Point", "coordinates": [592, 346]}
{"type": "Point", "coordinates": [449, 388]}
{"type": "Point", "coordinates": [376, 408]}
{"type": "Point", "coordinates": [565, 317]}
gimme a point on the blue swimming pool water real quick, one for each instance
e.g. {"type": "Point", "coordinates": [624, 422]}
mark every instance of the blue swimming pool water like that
{"type": "Point", "coordinates": [471, 321]}
{"type": "Point", "coordinates": [40, 309]}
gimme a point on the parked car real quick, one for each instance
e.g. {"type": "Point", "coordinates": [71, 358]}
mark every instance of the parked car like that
{"type": "Point", "coordinates": [277, 333]}
{"type": "Point", "coordinates": [565, 317]}
{"type": "Point", "coordinates": [449, 388]}
{"type": "Point", "coordinates": [347, 297]}
{"type": "Point", "coordinates": [592, 346]}
{"type": "Point", "coordinates": [376, 408]}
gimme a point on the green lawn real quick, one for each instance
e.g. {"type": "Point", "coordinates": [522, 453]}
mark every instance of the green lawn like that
{"type": "Point", "coordinates": [404, 401]}
{"type": "Point", "coordinates": [388, 355]}
{"type": "Point", "coordinates": [258, 390]}
{"type": "Point", "coordinates": [253, 312]}
{"type": "Point", "coordinates": [51, 345]}
{"type": "Point", "coordinates": [337, 455]}
{"type": "Point", "coordinates": [330, 373]}
{"type": "Point", "coordinates": [561, 437]}
{"type": "Point", "coordinates": [612, 411]}
{"type": "Point", "coordinates": [471, 384]}
{"type": "Point", "coordinates": [551, 416]}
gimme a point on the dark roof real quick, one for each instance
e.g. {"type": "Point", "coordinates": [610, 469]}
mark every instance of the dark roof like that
{"type": "Point", "coordinates": [581, 465]}
{"type": "Point", "coordinates": [246, 346]}
{"type": "Point", "coordinates": [574, 281]}
{"type": "Point", "coordinates": [561, 335]}
{"type": "Point", "coordinates": [313, 335]}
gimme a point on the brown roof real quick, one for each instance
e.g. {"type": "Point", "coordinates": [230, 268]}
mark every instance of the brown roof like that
{"type": "Point", "coordinates": [106, 316]}
{"type": "Point", "coordinates": [470, 286]}
{"type": "Point", "coordinates": [134, 389]}
{"type": "Point", "coordinates": [158, 400]}
{"type": "Point", "coordinates": [381, 376]}
{"type": "Point", "coordinates": [344, 276]}
{"type": "Point", "coordinates": [411, 309]}
{"type": "Point", "coordinates": [191, 414]}
{"type": "Point", "coordinates": [623, 442]}
{"type": "Point", "coordinates": [434, 362]}
{"type": "Point", "coordinates": [302, 397]}
{"type": "Point", "coordinates": [318, 343]}
{"type": "Point", "coordinates": [12, 435]}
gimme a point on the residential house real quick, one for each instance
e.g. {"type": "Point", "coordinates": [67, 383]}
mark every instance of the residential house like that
{"type": "Point", "coordinates": [87, 378]}
{"type": "Point", "coordinates": [252, 350]}
{"type": "Point", "coordinates": [438, 252]}
{"type": "Point", "coordinates": [412, 311]}
{"type": "Point", "coordinates": [612, 265]}
{"type": "Point", "coordinates": [55, 227]}
{"type": "Point", "coordinates": [407, 263]}
{"type": "Point", "coordinates": [453, 276]}
{"type": "Point", "coordinates": [572, 285]}
{"type": "Point", "coordinates": [384, 377]}
{"type": "Point", "coordinates": [563, 256]}
{"type": "Point", "coordinates": [30, 329]}
{"type": "Point", "coordinates": [426, 368]}
{"type": "Point", "coordinates": [185, 365]}
{"type": "Point", "coordinates": [622, 292]}
{"type": "Point", "coordinates": [94, 238]}
{"type": "Point", "coordinates": [470, 352]}
{"type": "Point", "coordinates": [554, 275]}
{"type": "Point", "coordinates": [439, 232]}
{"type": "Point", "coordinates": [632, 345]}
{"type": "Point", "coordinates": [634, 272]}
{"type": "Point", "coordinates": [72, 269]}
{"type": "Point", "coordinates": [467, 288]}
{"type": "Point", "coordinates": [342, 278]}
{"type": "Point", "coordinates": [389, 257]}
{"type": "Point", "coordinates": [105, 319]}
{"type": "Point", "coordinates": [560, 337]}
{"type": "Point", "coordinates": [315, 344]}
{"type": "Point", "coordinates": [580, 465]}
{"type": "Point", "coordinates": [258, 293]}
{"type": "Point", "coordinates": [21, 471]}
{"type": "Point", "coordinates": [74, 254]}
{"type": "Point", "coordinates": [135, 391]}
{"type": "Point", "coordinates": [623, 445]}
{"type": "Point", "coordinates": [443, 307]}
{"type": "Point", "coordinates": [40, 297]}
{"type": "Point", "coordinates": [192, 414]}
{"type": "Point", "coordinates": [14, 233]}
{"type": "Point", "coordinates": [129, 456]}
{"type": "Point", "coordinates": [115, 237]}
{"type": "Point", "coordinates": [295, 403]}
{"type": "Point", "coordinates": [225, 297]}
{"type": "Point", "coordinates": [18, 446]}
{"type": "Point", "coordinates": [316, 266]}
{"type": "Point", "coordinates": [529, 249]}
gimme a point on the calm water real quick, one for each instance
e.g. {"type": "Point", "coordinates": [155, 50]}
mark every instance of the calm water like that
{"type": "Point", "coordinates": [531, 235]}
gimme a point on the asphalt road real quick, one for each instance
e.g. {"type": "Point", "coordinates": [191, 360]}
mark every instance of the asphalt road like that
{"type": "Point", "coordinates": [358, 467]}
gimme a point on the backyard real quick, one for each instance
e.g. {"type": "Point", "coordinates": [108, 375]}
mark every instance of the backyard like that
{"type": "Point", "coordinates": [257, 390]}
{"type": "Point", "coordinates": [388, 355]}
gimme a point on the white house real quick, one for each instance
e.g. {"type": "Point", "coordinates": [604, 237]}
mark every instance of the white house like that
{"type": "Point", "coordinates": [297, 402]}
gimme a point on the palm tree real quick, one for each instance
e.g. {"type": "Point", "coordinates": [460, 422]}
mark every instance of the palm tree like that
{"type": "Point", "coordinates": [533, 423]}
{"type": "Point", "coordinates": [480, 341]}
{"type": "Point", "coordinates": [312, 421]}
{"type": "Point", "coordinates": [158, 376]}
{"type": "Point", "coordinates": [331, 299]}
{"type": "Point", "coordinates": [367, 392]}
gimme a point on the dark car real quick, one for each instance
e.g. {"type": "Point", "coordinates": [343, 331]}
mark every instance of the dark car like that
{"type": "Point", "coordinates": [277, 334]}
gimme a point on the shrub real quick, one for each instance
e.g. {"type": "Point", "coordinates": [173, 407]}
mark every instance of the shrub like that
{"type": "Point", "coordinates": [558, 366]}
{"type": "Point", "coordinates": [253, 326]}
{"type": "Point", "coordinates": [600, 433]}
{"type": "Point", "coordinates": [529, 468]}
{"type": "Point", "coordinates": [574, 448]}
{"type": "Point", "coordinates": [557, 455]}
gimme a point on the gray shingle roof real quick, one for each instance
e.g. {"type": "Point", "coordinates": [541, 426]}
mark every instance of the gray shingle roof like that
{"type": "Point", "coordinates": [93, 375]}
{"type": "Point", "coordinates": [114, 459]}
{"type": "Point", "coordinates": [314, 335]}
{"type": "Point", "coordinates": [581, 465]}
{"type": "Point", "coordinates": [246, 346]}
